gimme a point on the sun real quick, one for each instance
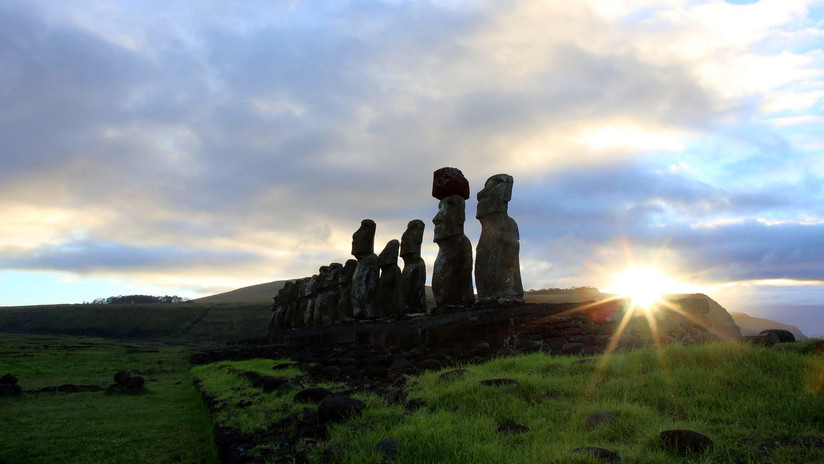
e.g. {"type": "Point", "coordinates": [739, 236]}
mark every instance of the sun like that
{"type": "Point", "coordinates": [644, 286]}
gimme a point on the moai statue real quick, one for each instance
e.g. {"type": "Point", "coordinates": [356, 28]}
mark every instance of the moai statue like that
{"type": "Point", "coordinates": [367, 271]}
{"type": "Point", "coordinates": [497, 267]}
{"type": "Point", "coordinates": [345, 281]}
{"type": "Point", "coordinates": [452, 274]}
{"type": "Point", "coordinates": [413, 278]}
{"type": "Point", "coordinates": [310, 291]}
{"type": "Point", "coordinates": [320, 289]}
{"type": "Point", "coordinates": [328, 304]}
{"type": "Point", "coordinates": [289, 294]}
{"type": "Point", "coordinates": [297, 310]}
{"type": "Point", "coordinates": [387, 295]}
{"type": "Point", "coordinates": [302, 297]}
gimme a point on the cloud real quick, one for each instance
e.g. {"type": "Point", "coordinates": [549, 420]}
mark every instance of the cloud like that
{"type": "Point", "coordinates": [255, 136]}
{"type": "Point", "coordinates": [94, 256]}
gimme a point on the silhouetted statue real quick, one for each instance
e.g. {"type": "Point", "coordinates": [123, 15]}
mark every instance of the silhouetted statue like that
{"type": "Point", "coordinates": [326, 309]}
{"type": "Point", "coordinates": [302, 303]}
{"type": "Point", "coordinates": [367, 271]}
{"type": "Point", "coordinates": [311, 292]}
{"type": "Point", "coordinates": [413, 277]}
{"type": "Point", "coordinates": [452, 273]}
{"type": "Point", "coordinates": [317, 301]}
{"type": "Point", "coordinates": [497, 267]}
{"type": "Point", "coordinates": [345, 300]}
{"type": "Point", "coordinates": [387, 294]}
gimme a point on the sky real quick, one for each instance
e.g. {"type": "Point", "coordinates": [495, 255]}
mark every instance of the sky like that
{"type": "Point", "coordinates": [189, 148]}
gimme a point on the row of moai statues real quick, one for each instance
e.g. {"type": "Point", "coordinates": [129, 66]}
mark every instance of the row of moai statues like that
{"type": "Point", "coordinates": [497, 268]}
{"type": "Point", "coordinates": [373, 286]}
{"type": "Point", "coordinates": [368, 287]}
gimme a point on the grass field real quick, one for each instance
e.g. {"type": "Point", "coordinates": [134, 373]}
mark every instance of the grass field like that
{"type": "Point", "coordinates": [180, 322]}
{"type": "Point", "coordinates": [758, 405]}
{"type": "Point", "coordinates": [166, 424]}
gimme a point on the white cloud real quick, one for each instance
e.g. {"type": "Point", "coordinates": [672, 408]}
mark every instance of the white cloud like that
{"type": "Point", "coordinates": [257, 135]}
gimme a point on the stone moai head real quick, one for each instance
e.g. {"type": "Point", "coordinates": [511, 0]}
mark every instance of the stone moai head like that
{"type": "Point", "coordinates": [495, 196]}
{"type": "Point", "coordinates": [450, 219]}
{"type": "Point", "coordinates": [322, 278]}
{"type": "Point", "coordinates": [333, 275]}
{"type": "Point", "coordinates": [451, 187]}
{"type": "Point", "coordinates": [389, 255]}
{"type": "Point", "coordinates": [363, 240]}
{"type": "Point", "coordinates": [412, 238]}
{"type": "Point", "coordinates": [348, 271]}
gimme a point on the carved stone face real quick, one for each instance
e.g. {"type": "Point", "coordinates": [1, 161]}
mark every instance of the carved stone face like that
{"type": "Point", "coordinates": [412, 238]}
{"type": "Point", "coordinates": [450, 218]}
{"type": "Point", "coordinates": [363, 240]}
{"type": "Point", "coordinates": [389, 255]}
{"type": "Point", "coordinates": [495, 195]}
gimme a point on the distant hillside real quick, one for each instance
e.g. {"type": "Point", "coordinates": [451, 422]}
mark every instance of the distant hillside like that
{"type": "Point", "coordinates": [262, 294]}
{"type": "Point", "coordinates": [254, 294]}
{"type": "Point", "coordinates": [753, 325]}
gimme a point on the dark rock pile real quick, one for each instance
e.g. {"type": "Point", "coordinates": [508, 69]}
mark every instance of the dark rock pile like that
{"type": "Point", "coordinates": [125, 383]}
{"type": "Point", "coordinates": [770, 337]}
{"type": "Point", "coordinates": [9, 386]}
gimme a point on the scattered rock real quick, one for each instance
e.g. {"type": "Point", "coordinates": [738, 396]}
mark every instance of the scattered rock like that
{"type": "Point", "coordinates": [498, 382]}
{"type": "Point", "coordinates": [594, 420]}
{"type": "Point", "coordinates": [312, 395]}
{"type": "Point", "coordinates": [121, 377]}
{"type": "Point", "coordinates": [126, 384]}
{"type": "Point", "coordinates": [388, 447]}
{"type": "Point", "coordinates": [784, 336]}
{"type": "Point", "coordinates": [599, 453]}
{"type": "Point", "coordinates": [430, 364]}
{"type": "Point", "coordinates": [400, 365]}
{"type": "Point", "coordinates": [268, 383]}
{"type": "Point", "coordinates": [453, 374]}
{"type": "Point", "coordinates": [338, 408]}
{"type": "Point", "coordinates": [7, 389]}
{"type": "Point", "coordinates": [252, 376]}
{"type": "Point", "coordinates": [572, 348]}
{"type": "Point", "coordinates": [512, 429]}
{"type": "Point", "coordinates": [8, 379]}
{"type": "Point", "coordinates": [685, 441]}
{"type": "Point", "coordinates": [135, 382]}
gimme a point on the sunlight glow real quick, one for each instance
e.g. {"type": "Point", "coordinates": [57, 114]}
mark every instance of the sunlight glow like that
{"type": "Point", "coordinates": [643, 285]}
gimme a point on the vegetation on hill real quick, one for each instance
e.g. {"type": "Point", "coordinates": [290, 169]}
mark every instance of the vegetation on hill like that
{"type": "Point", "coordinates": [253, 294]}
{"type": "Point", "coordinates": [139, 299]}
{"type": "Point", "coordinates": [757, 405]}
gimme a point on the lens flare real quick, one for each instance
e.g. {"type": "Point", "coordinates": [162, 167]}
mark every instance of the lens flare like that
{"type": "Point", "coordinates": [643, 285]}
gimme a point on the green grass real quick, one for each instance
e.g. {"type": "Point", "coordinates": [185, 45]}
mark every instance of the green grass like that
{"type": "Point", "coordinates": [759, 405]}
{"type": "Point", "coordinates": [224, 382]}
{"type": "Point", "coordinates": [168, 423]}
{"type": "Point", "coordinates": [180, 322]}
